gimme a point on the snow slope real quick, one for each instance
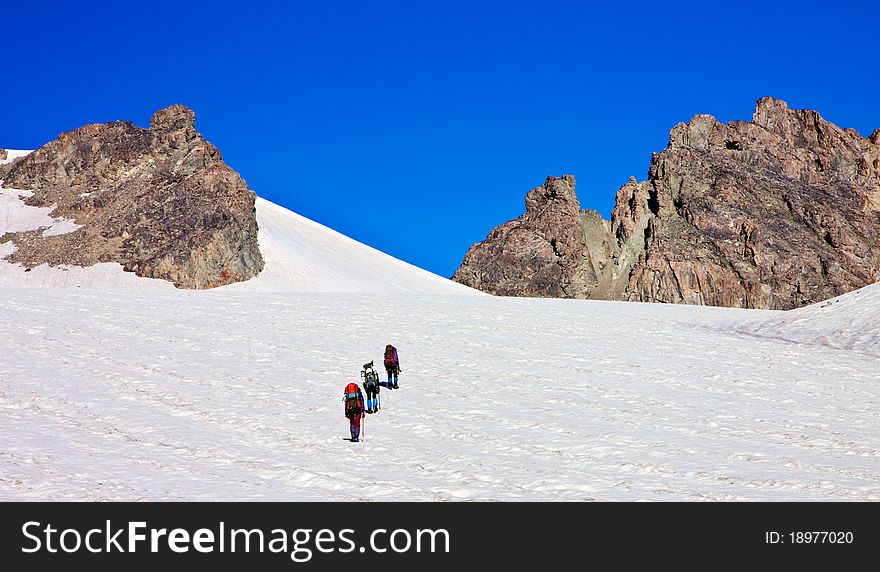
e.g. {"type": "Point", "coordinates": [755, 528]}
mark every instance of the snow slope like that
{"type": "Point", "coordinates": [13, 154]}
{"type": "Point", "coordinates": [114, 387]}
{"type": "Point", "coordinates": [847, 322]}
{"type": "Point", "coordinates": [167, 394]}
{"type": "Point", "coordinates": [304, 256]}
{"type": "Point", "coordinates": [301, 256]}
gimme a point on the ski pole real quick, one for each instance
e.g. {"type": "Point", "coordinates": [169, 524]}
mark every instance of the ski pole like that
{"type": "Point", "coordinates": [364, 427]}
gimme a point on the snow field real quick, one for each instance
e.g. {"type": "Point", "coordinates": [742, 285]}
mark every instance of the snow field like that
{"type": "Point", "coordinates": [114, 387]}
{"type": "Point", "coordinates": [226, 395]}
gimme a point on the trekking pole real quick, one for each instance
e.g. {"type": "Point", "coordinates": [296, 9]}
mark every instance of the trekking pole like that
{"type": "Point", "coordinates": [364, 427]}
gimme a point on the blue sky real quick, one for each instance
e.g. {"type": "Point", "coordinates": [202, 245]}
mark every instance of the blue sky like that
{"type": "Point", "coordinates": [416, 127]}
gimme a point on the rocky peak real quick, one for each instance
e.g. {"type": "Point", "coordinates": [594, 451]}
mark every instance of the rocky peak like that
{"type": "Point", "coordinates": [800, 128]}
{"type": "Point", "coordinates": [173, 118]}
{"type": "Point", "coordinates": [770, 113]}
{"type": "Point", "coordinates": [541, 253]}
{"type": "Point", "coordinates": [175, 127]}
{"type": "Point", "coordinates": [160, 201]}
{"type": "Point", "coordinates": [555, 191]}
{"type": "Point", "coordinates": [695, 134]}
{"type": "Point", "coordinates": [777, 212]}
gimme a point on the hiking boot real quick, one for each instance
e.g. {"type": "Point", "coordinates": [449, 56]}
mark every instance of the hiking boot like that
{"type": "Point", "coordinates": [396, 386]}
{"type": "Point", "coordinates": [355, 440]}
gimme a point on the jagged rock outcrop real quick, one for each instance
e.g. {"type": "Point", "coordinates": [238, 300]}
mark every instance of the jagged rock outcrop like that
{"type": "Point", "coordinates": [3, 154]}
{"type": "Point", "coordinates": [542, 253]}
{"type": "Point", "coordinates": [159, 201]}
{"type": "Point", "coordinates": [778, 212]}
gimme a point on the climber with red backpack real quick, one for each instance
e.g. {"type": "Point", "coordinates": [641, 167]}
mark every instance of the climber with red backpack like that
{"type": "Point", "coordinates": [354, 409]}
{"type": "Point", "coordinates": [392, 366]}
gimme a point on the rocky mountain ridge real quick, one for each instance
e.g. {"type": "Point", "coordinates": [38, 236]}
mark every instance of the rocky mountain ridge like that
{"type": "Point", "coordinates": [159, 201]}
{"type": "Point", "coordinates": [777, 212]}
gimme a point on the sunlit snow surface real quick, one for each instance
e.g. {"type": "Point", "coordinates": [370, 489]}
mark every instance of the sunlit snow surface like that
{"type": "Point", "coordinates": [226, 395]}
{"type": "Point", "coordinates": [12, 154]}
{"type": "Point", "coordinates": [152, 393]}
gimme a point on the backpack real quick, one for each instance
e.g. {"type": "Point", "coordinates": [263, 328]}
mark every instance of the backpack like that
{"type": "Point", "coordinates": [371, 379]}
{"type": "Point", "coordinates": [390, 357]}
{"type": "Point", "coordinates": [352, 399]}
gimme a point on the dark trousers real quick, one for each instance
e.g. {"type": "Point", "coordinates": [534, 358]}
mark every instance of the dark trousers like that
{"type": "Point", "coordinates": [372, 397]}
{"type": "Point", "coordinates": [392, 375]}
{"type": "Point", "coordinates": [355, 422]}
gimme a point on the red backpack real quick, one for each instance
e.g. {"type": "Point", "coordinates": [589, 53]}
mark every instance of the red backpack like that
{"type": "Point", "coordinates": [390, 353]}
{"type": "Point", "coordinates": [352, 399]}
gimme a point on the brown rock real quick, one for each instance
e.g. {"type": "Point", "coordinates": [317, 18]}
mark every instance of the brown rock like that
{"type": "Point", "coordinates": [542, 253]}
{"type": "Point", "coordinates": [159, 201]}
{"type": "Point", "coordinates": [776, 213]}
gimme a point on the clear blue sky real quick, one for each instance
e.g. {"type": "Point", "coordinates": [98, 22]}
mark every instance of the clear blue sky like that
{"type": "Point", "coordinates": [416, 127]}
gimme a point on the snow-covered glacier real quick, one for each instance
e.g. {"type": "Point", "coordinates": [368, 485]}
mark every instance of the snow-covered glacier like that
{"type": "Point", "coordinates": [114, 387]}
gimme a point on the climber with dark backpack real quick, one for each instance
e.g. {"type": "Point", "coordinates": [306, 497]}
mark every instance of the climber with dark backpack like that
{"type": "Point", "coordinates": [392, 366]}
{"type": "Point", "coordinates": [354, 409]}
{"type": "Point", "coordinates": [371, 387]}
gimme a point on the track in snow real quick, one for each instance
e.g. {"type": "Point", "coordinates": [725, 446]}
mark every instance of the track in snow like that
{"type": "Point", "coordinates": [232, 395]}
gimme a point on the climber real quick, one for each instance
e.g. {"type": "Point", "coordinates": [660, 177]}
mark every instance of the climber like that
{"type": "Point", "coordinates": [371, 387]}
{"type": "Point", "coordinates": [354, 409]}
{"type": "Point", "coordinates": [392, 366]}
